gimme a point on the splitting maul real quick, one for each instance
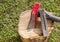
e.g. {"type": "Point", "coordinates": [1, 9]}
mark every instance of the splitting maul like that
{"type": "Point", "coordinates": [34, 15]}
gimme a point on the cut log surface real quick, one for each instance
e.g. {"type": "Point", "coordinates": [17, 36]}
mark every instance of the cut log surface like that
{"type": "Point", "coordinates": [33, 34]}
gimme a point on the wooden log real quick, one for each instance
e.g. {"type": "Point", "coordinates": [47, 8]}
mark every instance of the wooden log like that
{"type": "Point", "coordinates": [32, 35]}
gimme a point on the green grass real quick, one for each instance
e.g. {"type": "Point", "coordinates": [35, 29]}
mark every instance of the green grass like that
{"type": "Point", "coordinates": [9, 14]}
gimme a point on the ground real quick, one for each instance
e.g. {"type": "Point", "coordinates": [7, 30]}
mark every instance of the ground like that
{"type": "Point", "coordinates": [9, 14]}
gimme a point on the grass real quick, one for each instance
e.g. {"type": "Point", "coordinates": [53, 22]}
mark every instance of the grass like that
{"type": "Point", "coordinates": [9, 14]}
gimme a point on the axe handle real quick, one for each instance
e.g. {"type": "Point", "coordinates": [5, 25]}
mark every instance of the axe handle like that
{"type": "Point", "coordinates": [51, 17]}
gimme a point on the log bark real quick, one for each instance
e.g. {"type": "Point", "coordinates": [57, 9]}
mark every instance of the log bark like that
{"type": "Point", "coordinates": [32, 35]}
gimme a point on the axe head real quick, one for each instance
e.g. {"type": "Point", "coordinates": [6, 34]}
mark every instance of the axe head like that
{"type": "Point", "coordinates": [34, 12]}
{"type": "Point", "coordinates": [36, 8]}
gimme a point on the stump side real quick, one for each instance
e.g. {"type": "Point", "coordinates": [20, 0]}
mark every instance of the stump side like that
{"type": "Point", "coordinates": [32, 35]}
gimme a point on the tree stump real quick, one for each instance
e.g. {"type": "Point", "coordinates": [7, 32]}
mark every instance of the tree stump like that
{"type": "Point", "coordinates": [33, 34]}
